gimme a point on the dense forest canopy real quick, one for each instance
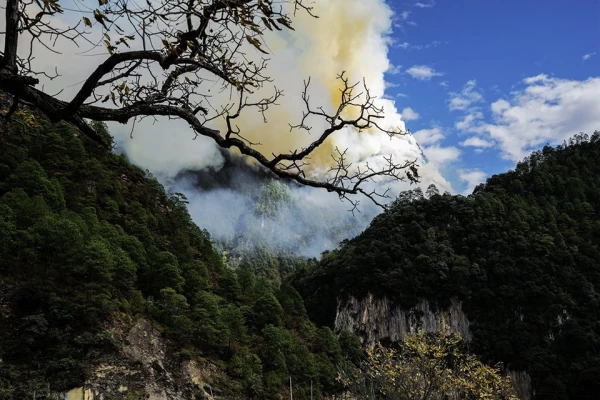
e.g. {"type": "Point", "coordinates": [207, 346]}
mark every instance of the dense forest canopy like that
{"type": "Point", "coordinates": [88, 241]}
{"type": "Point", "coordinates": [522, 253]}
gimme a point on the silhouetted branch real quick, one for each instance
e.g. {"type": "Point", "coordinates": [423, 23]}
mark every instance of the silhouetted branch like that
{"type": "Point", "coordinates": [176, 48]}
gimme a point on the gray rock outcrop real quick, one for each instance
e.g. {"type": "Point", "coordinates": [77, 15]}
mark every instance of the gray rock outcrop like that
{"type": "Point", "coordinates": [377, 319]}
{"type": "Point", "coordinates": [144, 370]}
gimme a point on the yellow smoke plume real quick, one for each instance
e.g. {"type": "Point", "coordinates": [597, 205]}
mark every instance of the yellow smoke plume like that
{"type": "Point", "coordinates": [350, 36]}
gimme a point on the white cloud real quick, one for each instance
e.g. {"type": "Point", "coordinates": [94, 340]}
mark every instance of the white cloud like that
{"type": "Point", "coordinates": [444, 84]}
{"type": "Point", "coordinates": [408, 114]}
{"type": "Point", "coordinates": [466, 98]}
{"type": "Point", "coordinates": [472, 177]}
{"type": "Point", "coordinates": [428, 136]}
{"type": "Point", "coordinates": [537, 79]}
{"type": "Point", "coordinates": [441, 156]}
{"type": "Point", "coordinates": [425, 5]}
{"type": "Point", "coordinates": [422, 72]}
{"type": "Point", "coordinates": [588, 56]}
{"type": "Point", "coordinates": [459, 103]}
{"type": "Point", "coordinates": [403, 18]}
{"type": "Point", "coordinates": [547, 110]}
{"type": "Point", "coordinates": [408, 46]}
{"type": "Point", "coordinates": [401, 95]}
{"type": "Point", "coordinates": [469, 122]}
{"type": "Point", "coordinates": [394, 69]}
{"type": "Point", "coordinates": [434, 43]}
{"type": "Point", "coordinates": [475, 141]}
{"type": "Point", "coordinates": [544, 110]}
{"type": "Point", "coordinates": [436, 154]}
{"type": "Point", "coordinates": [468, 101]}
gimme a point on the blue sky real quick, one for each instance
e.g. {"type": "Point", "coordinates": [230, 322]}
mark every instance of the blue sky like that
{"type": "Point", "coordinates": [454, 59]}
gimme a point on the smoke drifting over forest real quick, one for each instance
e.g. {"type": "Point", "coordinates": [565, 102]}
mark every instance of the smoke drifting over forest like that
{"type": "Point", "coordinates": [243, 207]}
{"type": "Point", "coordinates": [351, 36]}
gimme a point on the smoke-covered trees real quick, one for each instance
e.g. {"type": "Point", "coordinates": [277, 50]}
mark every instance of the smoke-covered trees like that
{"type": "Point", "coordinates": [270, 198]}
{"type": "Point", "coordinates": [432, 190]}
{"type": "Point", "coordinates": [168, 58]}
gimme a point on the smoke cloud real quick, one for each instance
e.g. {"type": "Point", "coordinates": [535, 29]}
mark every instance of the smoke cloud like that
{"type": "Point", "coordinates": [351, 36]}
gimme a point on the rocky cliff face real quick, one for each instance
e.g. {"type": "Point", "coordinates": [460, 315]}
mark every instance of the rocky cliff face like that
{"type": "Point", "coordinates": [377, 319]}
{"type": "Point", "coordinates": [522, 383]}
{"type": "Point", "coordinates": [144, 370]}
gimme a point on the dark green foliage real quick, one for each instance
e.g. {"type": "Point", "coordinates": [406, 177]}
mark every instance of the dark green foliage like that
{"type": "Point", "coordinates": [87, 239]}
{"type": "Point", "coordinates": [246, 280]}
{"type": "Point", "coordinates": [351, 346]}
{"type": "Point", "coordinates": [267, 311]}
{"type": "Point", "coordinates": [522, 253]}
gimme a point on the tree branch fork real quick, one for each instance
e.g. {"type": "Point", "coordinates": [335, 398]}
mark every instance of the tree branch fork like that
{"type": "Point", "coordinates": [213, 46]}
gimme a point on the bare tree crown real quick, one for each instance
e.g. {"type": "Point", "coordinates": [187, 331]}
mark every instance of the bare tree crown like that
{"type": "Point", "coordinates": [160, 54]}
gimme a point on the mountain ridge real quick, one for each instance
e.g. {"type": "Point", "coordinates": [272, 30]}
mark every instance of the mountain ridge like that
{"type": "Point", "coordinates": [521, 253]}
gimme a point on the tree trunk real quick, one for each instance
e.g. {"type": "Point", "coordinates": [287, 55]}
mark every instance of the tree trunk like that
{"type": "Point", "coordinates": [12, 36]}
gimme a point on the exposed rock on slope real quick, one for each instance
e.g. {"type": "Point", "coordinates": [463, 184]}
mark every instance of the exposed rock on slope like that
{"type": "Point", "coordinates": [376, 320]}
{"type": "Point", "coordinates": [522, 384]}
{"type": "Point", "coordinates": [144, 370]}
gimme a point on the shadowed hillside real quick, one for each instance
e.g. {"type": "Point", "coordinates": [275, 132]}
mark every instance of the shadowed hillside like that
{"type": "Point", "coordinates": [522, 253]}
{"type": "Point", "coordinates": [92, 247]}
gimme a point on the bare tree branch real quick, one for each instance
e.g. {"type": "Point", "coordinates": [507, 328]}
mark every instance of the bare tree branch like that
{"type": "Point", "coordinates": [164, 67]}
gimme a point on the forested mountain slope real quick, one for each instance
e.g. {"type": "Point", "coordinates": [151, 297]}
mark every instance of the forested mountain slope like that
{"type": "Point", "coordinates": [522, 253]}
{"type": "Point", "coordinates": [90, 244]}
{"type": "Point", "coordinates": [267, 221]}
